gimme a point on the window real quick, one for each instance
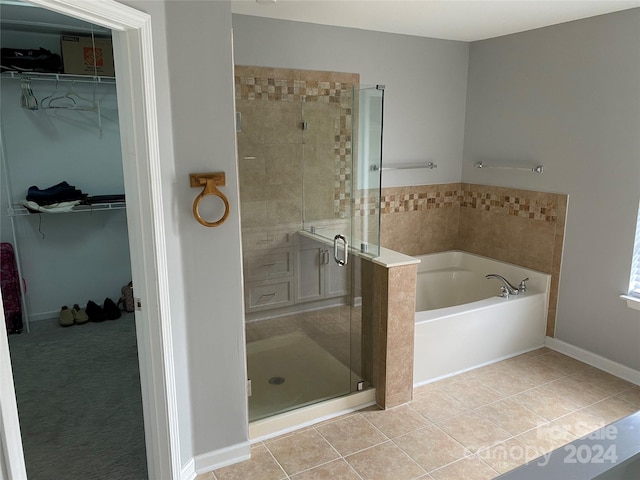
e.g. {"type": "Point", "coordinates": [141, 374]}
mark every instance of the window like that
{"type": "Point", "coordinates": [634, 283]}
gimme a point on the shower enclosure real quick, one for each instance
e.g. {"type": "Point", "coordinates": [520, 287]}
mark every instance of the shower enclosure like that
{"type": "Point", "coordinates": [309, 148]}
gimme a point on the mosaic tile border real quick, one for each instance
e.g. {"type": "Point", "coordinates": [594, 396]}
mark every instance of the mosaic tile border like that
{"type": "Point", "coordinates": [289, 90]}
{"type": "Point", "coordinates": [366, 206]}
{"type": "Point", "coordinates": [411, 202]}
{"type": "Point", "coordinates": [462, 195]}
{"type": "Point", "coordinates": [519, 206]}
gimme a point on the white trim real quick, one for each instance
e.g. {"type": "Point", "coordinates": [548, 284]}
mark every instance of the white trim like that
{"type": "Point", "coordinates": [632, 302]}
{"type": "Point", "coordinates": [223, 457]}
{"type": "Point", "coordinates": [133, 55]}
{"type": "Point", "coordinates": [595, 360]}
{"type": "Point", "coordinates": [11, 454]}
{"type": "Point", "coordinates": [189, 471]}
{"type": "Point", "coordinates": [38, 317]}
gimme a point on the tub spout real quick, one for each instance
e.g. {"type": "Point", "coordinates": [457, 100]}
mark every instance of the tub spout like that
{"type": "Point", "coordinates": [508, 288]}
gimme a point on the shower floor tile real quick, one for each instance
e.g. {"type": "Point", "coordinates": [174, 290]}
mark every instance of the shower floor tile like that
{"type": "Point", "coordinates": [429, 439]}
{"type": "Point", "coordinates": [290, 371]}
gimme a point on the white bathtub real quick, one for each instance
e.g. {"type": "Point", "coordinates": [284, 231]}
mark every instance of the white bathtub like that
{"type": "Point", "coordinates": [461, 320]}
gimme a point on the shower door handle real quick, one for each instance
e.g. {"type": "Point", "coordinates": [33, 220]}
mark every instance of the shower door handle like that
{"type": "Point", "coordinates": [345, 257]}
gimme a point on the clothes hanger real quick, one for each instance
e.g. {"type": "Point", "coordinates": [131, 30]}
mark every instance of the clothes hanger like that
{"type": "Point", "coordinates": [77, 101]}
{"type": "Point", "coordinates": [45, 102]}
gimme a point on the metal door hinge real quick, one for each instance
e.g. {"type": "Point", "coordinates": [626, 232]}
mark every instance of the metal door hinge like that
{"type": "Point", "coordinates": [138, 303]}
{"type": "Point", "coordinates": [249, 388]}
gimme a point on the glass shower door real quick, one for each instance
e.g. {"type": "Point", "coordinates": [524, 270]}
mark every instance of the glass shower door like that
{"type": "Point", "coordinates": [342, 145]}
{"type": "Point", "coordinates": [310, 219]}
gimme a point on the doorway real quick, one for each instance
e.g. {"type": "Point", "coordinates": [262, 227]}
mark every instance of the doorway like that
{"type": "Point", "coordinates": [134, 64]}
{"type": "Point", "coordinates": [78, 388]}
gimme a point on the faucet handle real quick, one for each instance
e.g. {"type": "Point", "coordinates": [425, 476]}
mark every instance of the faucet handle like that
{"type": "Point", "coordinates": [523, 287]}
{"type": "Point", "coordinates": [504, 291]}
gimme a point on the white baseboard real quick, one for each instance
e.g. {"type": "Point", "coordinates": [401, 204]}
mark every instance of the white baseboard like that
{"type": "Point", "coordinates": [593, 359]}
{"type": "Point", "coordinates": [35, 317]}
{"type": "Point", "coordinates": [210, 461]}
{"type": "Point", "coordinates": [188, 471]}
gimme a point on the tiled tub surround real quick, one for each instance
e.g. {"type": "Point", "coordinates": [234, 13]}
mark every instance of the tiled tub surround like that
{"type": "Point", "coordinates": [516, 226]}
{"type": "Point", "coordinates": [394, 323]}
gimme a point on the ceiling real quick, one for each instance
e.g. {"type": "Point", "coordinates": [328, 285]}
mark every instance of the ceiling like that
{"type": "Point", "coordinates": [464, 20]}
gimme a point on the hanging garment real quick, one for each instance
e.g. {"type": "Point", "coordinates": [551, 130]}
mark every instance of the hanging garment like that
{"type": "Point", "coordinates": [10, 286]}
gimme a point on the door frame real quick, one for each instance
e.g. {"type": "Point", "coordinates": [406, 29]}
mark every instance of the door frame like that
{"type": "Point", "coordinates": [137, 107]}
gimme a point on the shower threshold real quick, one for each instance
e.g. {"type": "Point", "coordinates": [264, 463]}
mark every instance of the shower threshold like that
{"type": "Point", "coordinates": [275, 425]}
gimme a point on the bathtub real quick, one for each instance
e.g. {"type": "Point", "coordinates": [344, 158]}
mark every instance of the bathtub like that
{"type": "Point", "coordinates": [462, 322]}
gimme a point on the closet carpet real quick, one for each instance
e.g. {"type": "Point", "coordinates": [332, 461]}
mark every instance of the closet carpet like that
{"type": "Point", "coordinates": [79, 402]}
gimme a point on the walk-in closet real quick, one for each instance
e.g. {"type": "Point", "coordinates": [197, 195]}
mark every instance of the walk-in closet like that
{"type": "Point", "coordinates": [63, 213]}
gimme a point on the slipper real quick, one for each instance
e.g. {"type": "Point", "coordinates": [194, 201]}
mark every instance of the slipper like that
{"type": "Point", "coordinates": [111, 310]}
{"type": "Point", "coordinates": [95, 313]}
{"type": "Point", "coordinates": [79, 315]}
{"type": "Point", "coordinates": [65, 317]}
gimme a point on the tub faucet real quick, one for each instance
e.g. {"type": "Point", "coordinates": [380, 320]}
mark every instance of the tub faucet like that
{"type": "Point", "coordinates": [507, 289]}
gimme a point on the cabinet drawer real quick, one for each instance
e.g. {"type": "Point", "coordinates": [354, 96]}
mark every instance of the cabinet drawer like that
{"type": "Point", "coordinates": [268, 265]}
{"type": "Point", "coordinates": [268, 295]}
{"type": "Point", "coordinates": [264, 239]}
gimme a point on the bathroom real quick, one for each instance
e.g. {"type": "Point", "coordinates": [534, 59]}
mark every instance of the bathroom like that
{"type": "Point", "coordinates": [418, 125]}
{"type": "Point", "coordinates": [481, 108]}
{"type": "Point", "coordinates": [473, 99]}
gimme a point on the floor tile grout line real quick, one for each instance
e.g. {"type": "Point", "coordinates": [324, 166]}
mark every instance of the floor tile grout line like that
{"type": "Point", "coordinates": [532, 388]}
{"type": "Point", "coordinates": [387, 440]}
{"type": "Point", "coordinates": [486, 464]}
{"type": "Point", "coordinates": [470, 453]}
{"type": "Point", "coordinates": [287, 476]}
{"type": "Point", "coordinates": [611, 393]}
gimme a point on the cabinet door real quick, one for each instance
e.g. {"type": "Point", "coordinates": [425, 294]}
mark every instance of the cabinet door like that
{"type": "Point", "coordinates": [309, 273]}
{"type": "Point", "coordinates": [336, 278]}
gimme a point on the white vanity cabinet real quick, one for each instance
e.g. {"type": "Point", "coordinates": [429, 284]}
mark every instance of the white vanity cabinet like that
{"type": "Point", "coordinates": [318, 276]}
{"type": "Point", "coordinates": [268, 270]}
{"type": "Point", "coordinates": [288, 272]}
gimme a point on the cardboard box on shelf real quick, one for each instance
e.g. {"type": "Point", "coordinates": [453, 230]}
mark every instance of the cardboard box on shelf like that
{"type": "Point", "coordinates": [87, 56]}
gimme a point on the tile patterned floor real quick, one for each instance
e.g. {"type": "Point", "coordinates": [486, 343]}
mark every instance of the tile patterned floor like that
{"type": "Point", "coordinates": [476, 425]}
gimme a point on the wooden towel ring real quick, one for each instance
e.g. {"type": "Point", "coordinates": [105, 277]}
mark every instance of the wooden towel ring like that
{"type": "Point", "coordinates": [209, 182]}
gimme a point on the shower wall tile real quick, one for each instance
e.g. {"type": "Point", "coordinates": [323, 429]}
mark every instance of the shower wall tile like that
{"type": "Point", "coordinates": [271, 102]}
{"type": "Point", "coordinates": [517, 226]}
{"type": "Point", "coordinates": [253, 213]}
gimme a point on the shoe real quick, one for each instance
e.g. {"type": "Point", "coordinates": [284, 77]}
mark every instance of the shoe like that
{"type": "Point", "coordinates": [95, 313]}
{"type": "Point", "coordinates": [111, 310]}
{"type": "Point", "coordinates": [79, 315]}
{"type": "Point", "coordinates": [65, 317]}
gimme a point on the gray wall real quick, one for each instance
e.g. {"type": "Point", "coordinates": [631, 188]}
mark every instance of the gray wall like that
{"type": "Point", "coordinates": [83, 256]}
{"type": "Point", "coordinates": [196, 121]}
{"type": "Point", "coordinates": [425, 82]}
{"type": "Point", "coordinates": [568, 97]}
